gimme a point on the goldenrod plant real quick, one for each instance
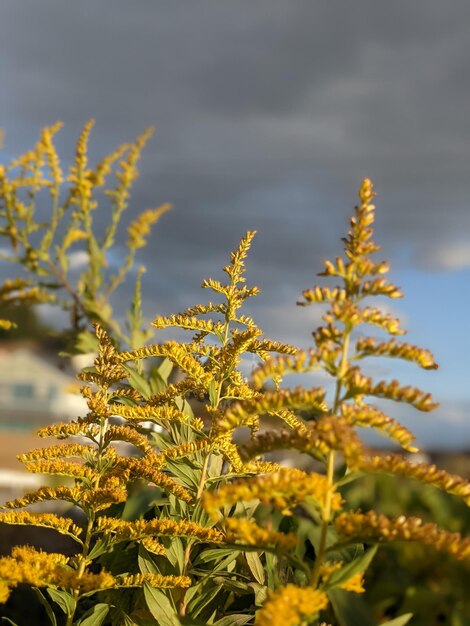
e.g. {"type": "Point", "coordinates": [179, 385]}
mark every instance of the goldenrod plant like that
{"type": "Point", "coordinates": [64, 258]}
{"type": "Point", "coordinates": [198, 526]}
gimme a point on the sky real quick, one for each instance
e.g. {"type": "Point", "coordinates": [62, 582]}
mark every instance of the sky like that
{"type": "Point", "coordinates": [268, 115]}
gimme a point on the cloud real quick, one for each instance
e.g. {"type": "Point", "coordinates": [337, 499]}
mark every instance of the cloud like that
{"type": "Point", "coordinates": [78, 259]}
{"type": "Point", "coordinates": [267, 117]}
{"type": "Point", "coordinates": [451, 256]}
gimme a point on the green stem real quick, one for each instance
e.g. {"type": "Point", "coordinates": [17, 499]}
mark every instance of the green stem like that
{"type": "Point", "coordinates": [330, 466]}
{"type": "Point", "coordinates": [202, 480]}
{"type": "Point", "coordinates": [83, 558]}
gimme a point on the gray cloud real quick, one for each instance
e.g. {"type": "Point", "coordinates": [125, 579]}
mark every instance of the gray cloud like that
{"type": "Point", "coordinates": [268, 115]}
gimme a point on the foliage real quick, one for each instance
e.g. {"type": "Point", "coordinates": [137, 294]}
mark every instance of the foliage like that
{"type": "Point", "coordinates": [65, 259]}
{"type": "Point", "coordinates": [408, 577]}
{"type": "Point", "coordinates": [198, 527]}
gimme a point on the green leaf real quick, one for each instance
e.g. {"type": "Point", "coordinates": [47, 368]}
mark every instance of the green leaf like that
{"type": "Point", "coordinates": [146, 564]}
{"type": "Point", "coordinates": [237, 619]}
{"type": "Point", "coordinates": [160, 607]}
{"type": "Point", "coordinates": [215, 554]}
{"type": "Point", "coordinates": [348, 571]}
{"type": "Point", "coordinates": [349, 477]}
{"type": "Point", "coordinates": [185, 471]}
{"type": "Point", "coordinates": [256, 567]}
{"type": "Point", "coordinates": [175, 553]}
{"type": "Point", "coordinates": [96, 616]}
{"type": "Point", "coordinates": [7, 620]}
{"type": "Point", "coordinates": [399, 621]}
{"type": "Point", "coordinates": [63, 599]}
{"type": "Point", "coordinates": [350, 609]}
{"type": "Point", "coordinates": [261, 593]}
{"type": "Point", "coordinates": [101, 547]}
{"type": "Point", "coordinates": [46, 605]}
{"type": "Point", "coordinates": [201, 600]}
{"type": "Point", "coordinates": [215, 467]}
{"type": "Point", "coordinates": [127, 621]}
{"type": "Point", "coordinates": [212, 393]}
{"type": "Point", "coordinates": [138, 381]}
{"type": "Point", "coordinates": [165, 368]}
{"type": "Point", "coordinates": [272, 570]}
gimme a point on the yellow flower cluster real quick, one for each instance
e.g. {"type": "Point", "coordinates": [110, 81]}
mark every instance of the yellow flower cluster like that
{"type": "Point", "coordinates": [246, 532]}
{"type": "Point", "coordinates": [30, 566]}
{"type": "Point", "coordinates": [62, 525]}
{"type": "Point", "coordinates": [355, 584]}
{"type": "Point", "coordinates": [291, 606]}
{"type": "Point", "coordinates": [189, 322]}
{"type": "Point", "coordinates": [64, 451]}
{"type": "Point", "coordinates": [123, 530]}
{"type": "Point", "coordinates": [99, 499]}
{"type": "Point", "coordinates": [62, 468]}
{"type": "Point", "coordinates": [358, 384]}
{"type": "Point", "coordinates": [129, 435]}
{"type": "Point", "coordinates": [309, 442]}
{"type": "Point", "coordinates": [368, 346]}
{"type": "Point", "coordinates": [146, 467]}
{"type": "Point", "coordinates": [153, 546]}
{"type": "Point", "coordinates": [140, 228]}
{"type": "Point", "coordinates": [430, 474]}
{"type": "Point", "coordinates": [78, 428]}
{"type": "Point", "coordinates": [271, 403]}
{"type": "Point", "coordinates": [155, 580]}
{"type": "Point", "coordinates": [283, 489]}
{"type": "Point", "coordinates": [368, 416]}
{"type": "Point", "coordinates": [371, 525]}
{"type": "Point", "coordinates": [276, 367]}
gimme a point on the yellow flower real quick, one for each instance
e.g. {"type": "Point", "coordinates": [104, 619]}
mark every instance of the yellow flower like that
{"type": "Point", "coordinates": [284, 489]}
{"type": "Point", "coordinates": [373, 525]}
{"type": "Point", "coordinates": [244, 531]}
{"type": "Point", "coordinates": [290, 606]}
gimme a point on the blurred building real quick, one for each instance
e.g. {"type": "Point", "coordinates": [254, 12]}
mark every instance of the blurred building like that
{"type": "Point", "coordinates": [34, 392]}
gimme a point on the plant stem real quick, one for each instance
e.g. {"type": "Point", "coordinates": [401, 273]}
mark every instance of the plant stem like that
{"type": "Point", "coordinates": [83, 558]}
{"type": "Point", "coordinates": [330, 466]}
{"type": "Point", "coordinates": [204, 469]}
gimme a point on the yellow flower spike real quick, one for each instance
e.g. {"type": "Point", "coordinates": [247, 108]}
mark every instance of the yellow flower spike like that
{"type": "Point", "coordinates": [155, 580]}
{"type": "Point", "coordinates": [309, 442]}
{"type": "Point", "coordinates": [385, 321]}
{"type": "Point", "coordinates": [57, 452]}
{"type": "Point", "coordinates": [290, 606]}
{"type": "Point", "coordinates": [148, 412]}
{"type": "Point", "coordinates": [278, 367]}
{"type": "Point", "coordinates": [62, 525]}
{"type": "Point", "coordinates": [372, 525]}
{"type": "Point", "coordinates": [153, 546]}
{"type": "Point", "coordinates": [129, 435]}
{"type": "Point", "coordinates": [123, 531]}
{"type": "Point", "coordinates": [368, 346]}
{"type": "Point", "coordinates": [140, 228]}
{"type": "Point", "coordinates": [354, 584]}
{"type": "Point", "coordinates": [284, 489]}
{"type": "Point", "coordinates": [371, 417]}
{"type": "Point", "coordinates": [358, 384]}
{"type": "Point", "coordinates": [29, 566]}
{"type": "Point", "coordinates": [146, 468]}
{"type": "Point", "coordinates": [62, 468]}
{"type": "Point", "coordinates": [100, 498]}
{"type": "Point", "coordinates": [429, 474]}
{"type": "Point", "coordinates": [246, 532]}
{"type": "Point", "coordinates": [79, 428]}
{"type": "Point", "coordinates": [272, 402]}
{"type": "Point", "coordinates": [236, 269]}
{"type": "Point", "coordinates": [188, 323]}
